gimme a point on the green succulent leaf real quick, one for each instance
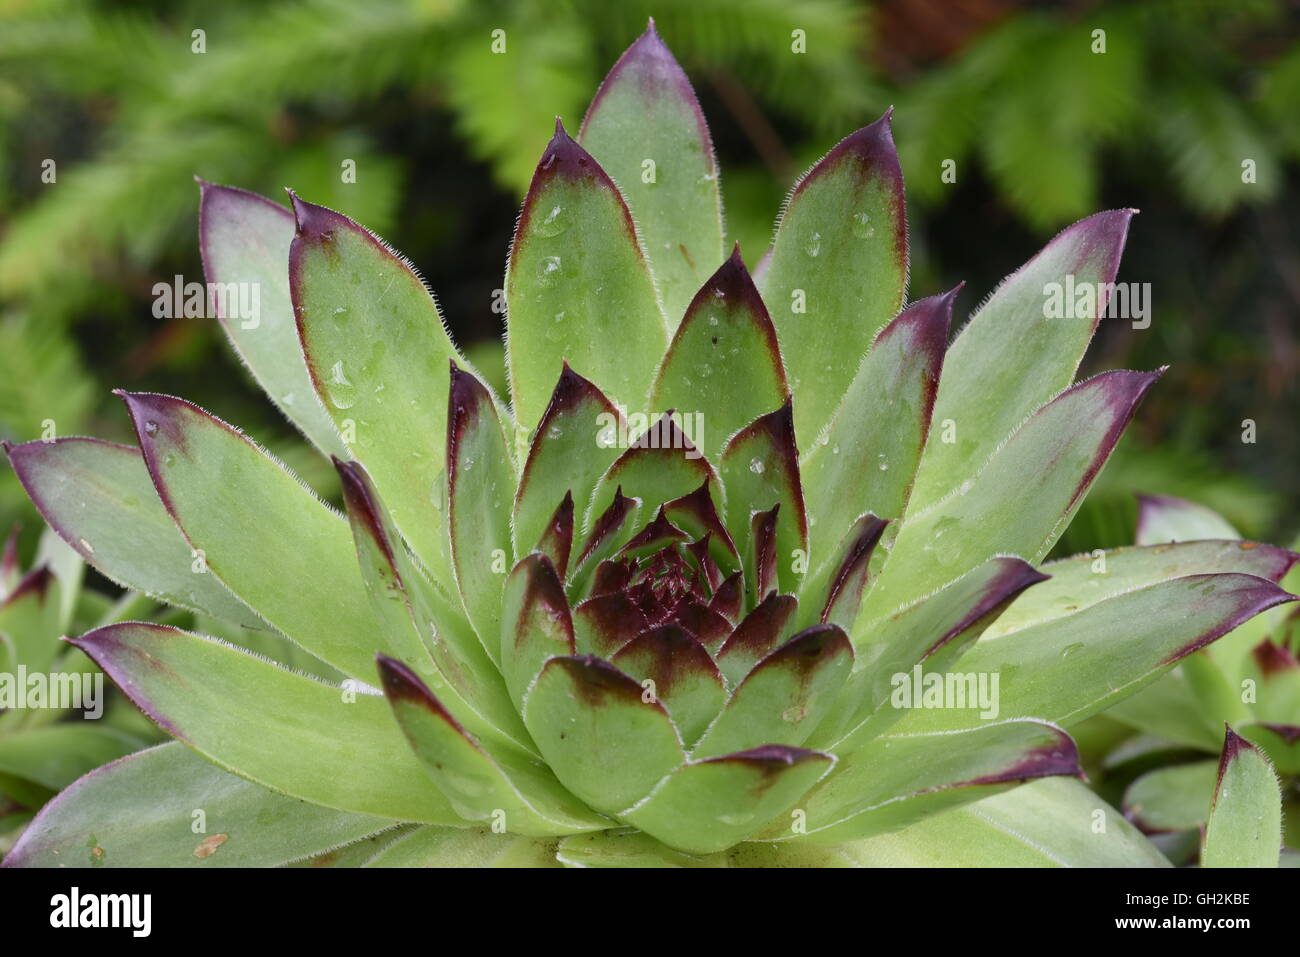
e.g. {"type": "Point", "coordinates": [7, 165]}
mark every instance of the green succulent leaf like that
{"type": "Point", "coordinates": [897, 779]}
{"type": "Point", "coordinates": [865, 459]}
{"type": "Point", "coordinates": [931, 635]}
{"type": "Point", "coordinates": [606, 738]}
{"type": "Point", "coordinates": [723, 368]}
{"type": "Point", "coordinates": [445, 847]}
{"type": "Point", "coordinates": [1072, 667]}
{"type": "Point", "coordinates": [421, 625]}
{"type": "Point", "coordinates": [1020, 501]}
{"type": "Point", "coordinates": [480, 480]}
{"type": "Point", "coordinates": [507, 791]}
{"type": "Point", "coordinates": [785, 696]}
{"type": "Point", "coordinates": [838, 270]}
{"type": "Point", "coordinates": [572, 448]}
{"type": "Point", "coordinates": [140, 812]}
{"type": "Point", "coordinates": [257, 527]}
{"type": "Point", "coordinates": [759, 470]}
{"type": "Point", "coordinates": [99, 498]}
{"type": "Point", "coordinates": [674, 666]}
{"type": "Point", "coordinates": [378, 353]}
{"type": "Point", "coordinates": [56, 755]}
{"type": "Point", "coordinates": [758, 635]}
{"type": "Point", "coordinates": [1173, 798]}
{"type": "Point", "coordinates": [1014, 355]}
{"type": "Point", "coordinates": [535, 623]}
{"type": "Point", "coordinates": [1078, 582]}
{"type": "Point", "coordinates": [245, 239]}
{"type": "Point", "coordinates": [1164, 518]}
{"type": "Point", "coordinates": [1245, 823]}
{"type": "Point", "coordinates": [709, 805]}
{"type": "Point", "coordinates": [1052, 822]}
{"type": "Point", "coordinates": [577, 281]}
{"type": "Point", "coordinates": [333, 746]}
{"type": "Point", "coordinates": [646, 129]}
{"type": "Point", "coordinates": [29, 618]}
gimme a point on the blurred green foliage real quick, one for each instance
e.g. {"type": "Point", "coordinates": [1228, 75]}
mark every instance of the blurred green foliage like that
{"type": "Point", "coordinates": [444, 133]}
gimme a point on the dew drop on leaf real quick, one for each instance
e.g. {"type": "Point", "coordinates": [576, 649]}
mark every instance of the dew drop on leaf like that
{"type": "Point", "coordinates": [814, 245]}
{"type": "Point", "coordinates": [553, 223]}
{"type": "Point", "coordinates": [756, 466]}
{"type": "Point", "coordinates": [862, 227]}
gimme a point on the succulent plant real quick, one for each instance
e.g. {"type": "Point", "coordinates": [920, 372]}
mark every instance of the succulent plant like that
{"type": "Point", "coordinates": [660, 609]}
{"type": "Point", "coordinates": [43, 681]}
{"type": "Point", "coordinates": [1248, 681]}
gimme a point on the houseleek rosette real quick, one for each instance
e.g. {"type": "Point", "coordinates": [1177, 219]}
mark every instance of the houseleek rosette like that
{"type": "Point", "coordinates": [656, 609]}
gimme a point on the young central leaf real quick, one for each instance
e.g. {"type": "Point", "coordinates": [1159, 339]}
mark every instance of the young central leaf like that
{"type": "Point", "coordinates": [578, 287]}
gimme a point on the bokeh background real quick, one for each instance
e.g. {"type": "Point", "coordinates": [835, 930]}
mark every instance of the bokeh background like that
{"type": "Point", "coordinates": [444, 134]}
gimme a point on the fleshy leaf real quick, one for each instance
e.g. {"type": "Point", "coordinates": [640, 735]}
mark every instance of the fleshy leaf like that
{"type": "Point", "coordinates": [1087, 579]}
{"type": "Point", "coordinates": [627, 848]}
{"type": "Point", "coordinates": [931, 634]}
{"type": "Point", "coordinates": [866, 458]}
{"type": "Point", "coordinates": [332, 746]}
{"type": "Point", "coordinates": [139, 812]}
{"type": "Point", "coordinates": [480, 486]}
{"type": "Point", "coordinates": [29, 619]}
{"type": "Point", "coordinates": [646, 129]}
{"type": "Point", "coordinates": [681, 675]}
{"type": "Point", "coordinates": [723, 366]}
{"type": "Point", "coordinates": [258, 527]}
{"type": "Point", "coordinates": [447, 847]}
{"type": "Point", "coordinates": [895, 780]}
{"type": "Point", "coordinates": [1046, 823]}
{"type": "Point", "coordinates": [785, 696]}
{"type": "Point", "coordinates": [1173, 798]}
{"type": "Point", "coordinates": [1012, 356]}
{"type": "Point", "coordinates": [605, 623]}
{"type": "Point", "coordinates": [535, 623]}
{"type": "Point", "coordinates": [605, 739]}
{"type": "Point", "coordinates": [1245, 823]}
{"type": "Point", "coordinates": [557, 541]}
{"type": "Point", "coordinates": [1164, 518]}
{"type": "Point", "coordinates": [706, 806]}
{"type": "Point", "coordinates": [1072, 667]}
{"type": "Point", "coordinates": [661, 465]}
{"type": "Point", "coordinates": [55, 755]}
{"type": "Point", "coordinates": [572, 448]}
{"type": "Point", "coordinates": [99, 498]}
{"type": "Point", "coordinates": [838, 270]}
{"type": "Point", "coordinates": [420, 624]}
{"type": "Point", "coordinates": [577, 282]}
{"type": "Point", "coordinates": [378, 352]}
{"type": "Point", "coordinates": [759, 469]}
{"type": "Point", "coordinates": [481, 786]}
{"type": "Point", "coordinates": [758, 634]}
{"type": "Point", "coordinates": [837, 588]}
{"type": "Point", "coordinates": [245, 239]}
{"type": "Point", "coordinates": [1021, 500]}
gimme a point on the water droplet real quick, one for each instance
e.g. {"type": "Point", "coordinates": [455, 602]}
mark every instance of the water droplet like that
{"type": "Point", "coordinates": [341, 313]}
{"type": "Point", "coordinates": [548, 270]}
{"type": "Point", "coordinates": [342, 393]}
{"type": "Point", "coordinates": [713, 320]}
{"type": "Point", "coordinates": [151, 427]}
{"type": "Point", "coordinates": [883, 462]}
{"type": "Point", "coordinates": [756, 466]}
{"type": "Point", "coordinates": [862, 227]}
{"type": "Point", "coordinates": [553, 223]}
{"type": "Point", "coordinates": [1070, 649]}
{"type": "Point", "coordinates": [814, 245]}
{"type": "Point", "coordinates": [835, 450]}
{"type": "Point", "coordinates": [287, 399]}
{"type": "Point", "coordinates": [169, 459]}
